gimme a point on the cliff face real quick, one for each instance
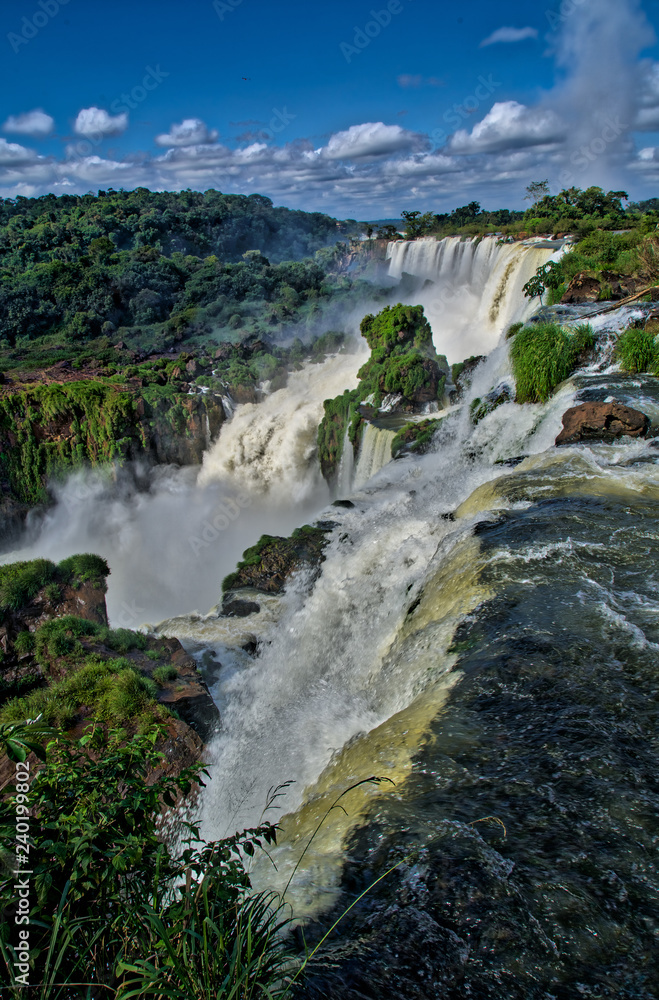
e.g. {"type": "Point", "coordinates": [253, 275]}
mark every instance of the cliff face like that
{"type": "Point", "coordinates": [47, 431]}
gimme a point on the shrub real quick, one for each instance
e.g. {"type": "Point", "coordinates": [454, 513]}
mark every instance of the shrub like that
{"type": "Point", "coordinates": [638, 351]}
{"type": "Point", "coordinates": [543, 355]}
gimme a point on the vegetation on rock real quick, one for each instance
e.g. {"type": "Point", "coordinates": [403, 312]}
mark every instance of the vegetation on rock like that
{"type": "Point", "coordinates": [403, 363]}
{"type": "Point", "coordinates": [414, 438]}
{"type": "Point", "coordinates": [637, 350]}
{"type": "Point", "coordinates": [543, 355]}
{"type": "Point", "coordinates": [268, 565]}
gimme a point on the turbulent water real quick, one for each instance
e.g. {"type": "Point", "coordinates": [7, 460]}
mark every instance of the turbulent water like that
{"type": "Point", "coordinates": [472, 290]}
{"type": "Point", "coordinates": [483, 633]}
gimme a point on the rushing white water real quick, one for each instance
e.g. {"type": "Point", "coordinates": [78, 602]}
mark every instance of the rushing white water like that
{"type": "Point", "coordinates": [324, 673]}
{"type": "Point", "coordinates": [270, 447]}
{"type": "Point", "coordinates": [170, 546]}
{"type": "Point", "coordinates": [476, 289]}
{"type": "Point", "coordinates": [374, 453]}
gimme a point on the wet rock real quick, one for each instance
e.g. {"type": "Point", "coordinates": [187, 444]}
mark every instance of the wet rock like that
{"type": "Point", "coordinates": [343, 503]}
{"type": "Point", "coordinates": [240, 609]}
{"type": "Point", "coordinates": [601, 422]}
{"type": "Point", "coordinates": [269, 564]}
{"type": "Point", "coordinates": [462, 375]}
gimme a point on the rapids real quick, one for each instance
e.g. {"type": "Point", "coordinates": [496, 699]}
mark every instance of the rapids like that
{"type": "Point", "coordinates": [483, 633]}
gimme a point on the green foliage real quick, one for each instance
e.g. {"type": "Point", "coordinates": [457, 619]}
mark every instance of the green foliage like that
{"type": "Point", "coordinates": [638, 351]}
{"type": "Point", "coordinates": [124, 640]}
{"type": "Point", "coordinates": [543, 355]}
{"type": "Point", "coordinates": [414, 438]}
{"type": "Point", "coordinates": [21, 581]}
{"type": "Point", "coordinates": [403, 360]}
{"type": "Point", "coordinates": [397, 326]}
{"type": "Point", "coordinates": [165, 673]}
{"type": "Point", "coordinates": [101, 424]}
{"type": "Point", "coordinates": [111, 690]}
{"type": "Point", "coordinates": [61, 637]}
{"type": "Point", "coordinates": [268, 564]}
{"type": "Point", "coordinates": [84, 568]}
{"type": "Point", "coordinates": [597, 252]}
{"type": "Point", "coordinates": [175, 265]}
{"type": "Point", "coordinates": [116, 910]}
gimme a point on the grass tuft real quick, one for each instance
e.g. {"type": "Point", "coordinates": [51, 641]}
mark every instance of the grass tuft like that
{"type": "Point", "coordinates": [543, 355]}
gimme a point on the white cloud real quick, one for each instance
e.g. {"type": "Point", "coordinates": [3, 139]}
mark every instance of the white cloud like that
{"type": "Point", "coordinates": [508, 125]}
{"type": "Point", "coordinates": [368, 140]}
{"type": "Point", "coordinates": [11, 154]}
{"type": "Point", "coordinates": [509, 35]}
{"type": "Point", "coordinates": [34, 123]}
{"type": "Point", "coordinates": [97, 122]}
{"type": "Point", "coordinates": [189, 132]}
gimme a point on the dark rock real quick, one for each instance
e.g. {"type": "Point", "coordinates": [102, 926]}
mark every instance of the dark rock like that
{"type": "Point", "coordinates": [193, 367]}
{"type": "Point", "coordinates": [268, 565]}
{"type": "Point", "coordinates": [343, 503]}
{"type": "Point", "coordinates": [581, 289]}
{"type": "Point", "coordinates": [224, 352]}
{"type": "Point", "coordinates": [601, 422]}
{"type": "Point", "coordinates": [240, 609]}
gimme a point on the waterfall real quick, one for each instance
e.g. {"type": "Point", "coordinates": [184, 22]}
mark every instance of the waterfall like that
{"type": "Point", "coordinates": [374, 453]}
{"type": "Point", "coordinates": [476, 289]}
{"type": "Point", "coordinates": [270, 447]}
{"type": "Point", "coordinates": [346, 466]}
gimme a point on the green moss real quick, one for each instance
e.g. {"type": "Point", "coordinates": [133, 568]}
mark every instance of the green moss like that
{"type": "Point", "coordinates": [414, 437]}
{"type": "Point", "coordinates": [543, 355]}
{"type": "Point", "coordinates": [638, 351]}
{"type": "Point", "coordinates": [267, 565]}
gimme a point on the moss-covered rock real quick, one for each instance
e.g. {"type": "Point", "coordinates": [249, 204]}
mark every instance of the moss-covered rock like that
{"type": "Point", "coordinates": [414, 438]}
{"type": "Point", "coordinates": [59, 658]}
{"type": "Point", "coordinates": [47, 431]}
{"type": "Point", "coordinates": [268, 565]}
{"type": "Point", "coordinates": [403, 365]}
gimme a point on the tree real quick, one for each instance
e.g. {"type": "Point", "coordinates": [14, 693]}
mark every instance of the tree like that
{"type": "Point", "coordinates": [417, 225]}
{"type": "Point", "coordinates": [537, 190]}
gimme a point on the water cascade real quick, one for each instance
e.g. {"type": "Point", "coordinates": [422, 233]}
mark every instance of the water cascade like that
{"type": "Point", "coordinates": [374, 453]}
{"type": "Point", "coordinates": [473, 287]}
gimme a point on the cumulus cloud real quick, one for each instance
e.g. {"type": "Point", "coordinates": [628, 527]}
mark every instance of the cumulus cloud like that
{"type": "Point", "coordinates": [33, 123]}
{"type": "Point", "coordinates": [189, 132]}
{"type": "Point", "coordinates": [508, 125]}
{"type": "Point", "coordinates": [370, 139]}
{"type": "Point", "coordinates": [509, 35]}
{"type": "Point", "coordinates": [580, 132]}
{"type": "Point", "coordinates": [97, 122]}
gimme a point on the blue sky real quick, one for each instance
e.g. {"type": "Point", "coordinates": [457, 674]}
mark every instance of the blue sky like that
{"type": "Point", "coordinates": [357, 109]}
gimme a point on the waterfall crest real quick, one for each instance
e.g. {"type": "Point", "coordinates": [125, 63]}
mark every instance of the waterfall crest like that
{"type": "Point", "coordinates": [476, 289]}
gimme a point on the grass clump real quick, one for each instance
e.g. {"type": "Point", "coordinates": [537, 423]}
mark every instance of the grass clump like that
{"type": "Point", "coordinates": [544, 355]}
{"type": "Point", "coordinates": [21, 581]}
{"type": "Point", "coordinates": [113, 690]}
{"type": "Point", "coordinates": [123, 640]}
{"type": "Point", "coordinates": [85, 568]}
{"type": "Point", "coordinates": [638, 351]}
{"type": "Point", "coordinates": [165, 673]}
{"type": "Point", "coordinates": [61, 637]}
